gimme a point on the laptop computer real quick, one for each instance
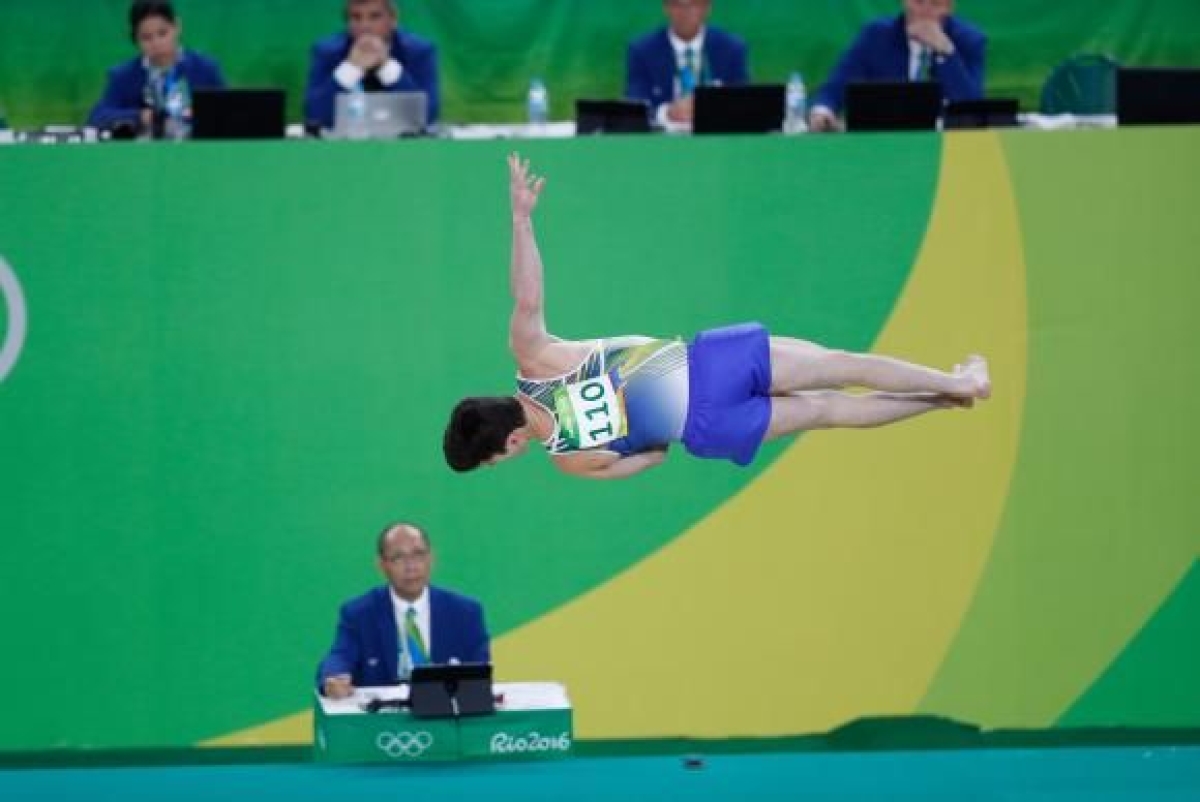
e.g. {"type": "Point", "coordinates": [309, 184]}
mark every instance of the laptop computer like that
{"type": "Point", "coordinates": [992, 112]}
{"type": "Point", "coordinates": [1158, 95]}
{"type": "Point", "coordinates": [893, 105]}
{"type": "Point", "coordinates": [450, 691]}
{"type": "Point", "coordinates": [744, 109]}
{"type": "Point", "coordinates": [612, 116]}
{"type": "Point", "coordinates": [386, 115]}
{"type": "Point", "coordinates": [238, 113]}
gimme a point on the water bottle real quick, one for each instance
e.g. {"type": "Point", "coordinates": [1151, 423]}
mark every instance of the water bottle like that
{"type": "Point", "coordinates": [796, 119]}
{"type": "Point", "coordinates": [356, 114]}
{"type": "Point", "coordinates": [538, 102]}
{"type": "Point", "coordinates": [6, 136]}
{"type": "Point", "coordinates": [177, 107]}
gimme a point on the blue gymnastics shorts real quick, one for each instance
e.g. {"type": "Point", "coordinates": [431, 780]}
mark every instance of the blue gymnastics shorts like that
{"type": "Point", "coordinates": [729, 393]}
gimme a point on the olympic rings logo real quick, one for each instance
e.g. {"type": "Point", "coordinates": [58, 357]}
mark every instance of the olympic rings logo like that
{"type": "Point", "coordinates": [404, 744]}
{"type": "Point", "coordinates": [13, 340]}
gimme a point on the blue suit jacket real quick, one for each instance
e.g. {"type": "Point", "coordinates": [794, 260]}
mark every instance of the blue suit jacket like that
{"type": "Point", "coordinates": [123, 97]}
{"type": "Point", "coordinates": [417, 56]}
{"type": "Point", "coordinates": [880, 53]}
{"type": "Point", "coordinates": [650, 65]}
{"type": "Point", "coordinates": [367, 643]}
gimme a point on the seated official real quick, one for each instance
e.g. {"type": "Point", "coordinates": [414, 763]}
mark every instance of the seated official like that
{"type": "Point", "coordinates": [386, 631]}
{"type": "Point", "coordinates": [923, 43]}
{"type": "Point", "coordinates": [138, 89]}
{"type": "Point", "coordinates": [373, 55]}
{"type": "Point", "coordinates": [665, 66]}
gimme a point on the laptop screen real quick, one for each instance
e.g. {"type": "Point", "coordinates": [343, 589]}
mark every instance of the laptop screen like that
{"type": "Point", "coordinates": [611, 116]}
{"type": "Point", "coordinates": [444, 691]}
{"type": "Point", "coordinates": [1158, 95]}
{"type": "Point", "coordinates": [893, 105]}
{"type": "Point", "coordinates": [747, 109]}
{"type": "Point", "coordinates": [383, 115]}
{"type": "Point", "coordinates": [238, 113]}
{"type": "Point", "coordinates": [983, 113]}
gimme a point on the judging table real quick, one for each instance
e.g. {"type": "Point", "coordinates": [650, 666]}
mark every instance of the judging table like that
{"type": "Point", "coordinates": [532, 720]}
{"type": "Point", "coordinates": [555, 129]}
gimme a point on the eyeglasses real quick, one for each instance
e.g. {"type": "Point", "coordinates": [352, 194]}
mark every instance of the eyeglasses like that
{"type": "Point", "coordinates": [407, 556]}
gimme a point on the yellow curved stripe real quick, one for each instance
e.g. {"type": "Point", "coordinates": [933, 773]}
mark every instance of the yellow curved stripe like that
{"type": "Point", "coordinates": [832, 586]}
{"type": "Point", "coordinates": [289, 730]}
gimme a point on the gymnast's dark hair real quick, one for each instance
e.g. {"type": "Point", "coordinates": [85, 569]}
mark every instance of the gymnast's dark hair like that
{"type": "Point", "coordinates": [144, 9]}
{"type": "Point", "coordinates": [479, 428]}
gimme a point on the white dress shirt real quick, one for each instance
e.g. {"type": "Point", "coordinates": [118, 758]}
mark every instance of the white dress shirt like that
{"type": "Point", "coordinates": [349, 76]}
{"type": "Point", "coordinates": [679, 46]}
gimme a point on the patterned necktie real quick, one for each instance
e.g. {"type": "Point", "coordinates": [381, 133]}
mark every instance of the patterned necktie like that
{"type": "Point", "coordinates": [416, 643]}
{"type": "Point", "coordinates": [924, 70]}
{"type": "Point", "coordinates": [687, 73]}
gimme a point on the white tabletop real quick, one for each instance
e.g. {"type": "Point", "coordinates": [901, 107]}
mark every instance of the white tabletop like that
{"type": "Point", "coordinates": [511, 696]}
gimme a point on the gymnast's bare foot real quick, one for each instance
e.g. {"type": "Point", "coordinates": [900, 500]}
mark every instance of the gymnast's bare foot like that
{"type": "Point", "coordinates": [975, 370]}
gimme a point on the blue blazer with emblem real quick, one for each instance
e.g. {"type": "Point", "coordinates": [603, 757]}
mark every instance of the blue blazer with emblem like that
{"type": "Point", "coordinates": [123, 96]}
{"type": "Point", "coordinates": [650, 64]}
{"type": "Point", "coordinates": [880, 53]}
{"type": "Point", "coordinates": [417, 56]}
{"type": "Point", "coordinates": [367, 643]}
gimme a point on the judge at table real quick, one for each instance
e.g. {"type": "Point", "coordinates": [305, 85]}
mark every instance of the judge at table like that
{"type": "Point", "coordinates": [386, 631]}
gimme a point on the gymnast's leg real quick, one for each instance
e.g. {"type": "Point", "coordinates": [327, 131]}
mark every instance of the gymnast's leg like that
{"type": "Point", "coordinates": [800, 365]}
{"type": "Point", "coordinates": [830, 409]}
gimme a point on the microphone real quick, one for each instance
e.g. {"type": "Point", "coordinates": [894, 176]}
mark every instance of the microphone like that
{"type": "Point", "coordinates": [376, 705]}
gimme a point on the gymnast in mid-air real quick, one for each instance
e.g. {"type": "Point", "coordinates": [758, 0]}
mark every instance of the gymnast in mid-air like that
{"type": "Point", "coordinates": [609, 408]}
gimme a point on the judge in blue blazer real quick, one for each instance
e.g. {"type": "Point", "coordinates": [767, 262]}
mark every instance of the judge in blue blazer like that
{"type": "Point", "coordinates": [374, 55]}
{"type": "Point", "coordinates": [136, 86]}
{"type": "Point", "coordinates": [387, 630]}
{"type": "Point", "coordinates": [664, 67]}
{"type": "Point", "coordinates": [923, 43]}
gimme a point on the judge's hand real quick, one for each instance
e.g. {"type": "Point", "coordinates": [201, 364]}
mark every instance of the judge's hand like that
{"type": "Point", "coordinates": [681, 111]}
{"type": "Point", "coordinates": [929, 33]}
{"type": "Point", "coordinates": [368, 52]}
{"type": "Point", "coordinates": [822, 120]}
{"type": "Point", "coordinates": [339, 686]}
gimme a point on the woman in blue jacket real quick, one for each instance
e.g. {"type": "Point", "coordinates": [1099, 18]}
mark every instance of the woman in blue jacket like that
{"type": "Point", "coordinates": [138, 89]}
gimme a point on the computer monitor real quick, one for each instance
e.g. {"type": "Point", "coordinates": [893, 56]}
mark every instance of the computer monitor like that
{"type": "Point", "coordinates": [743, 109]}
{"type": "Point", "coordinates": [1158, 95]}
{"type": "Point", "coordinates": [238, 113]}
{"type": "Point", "coordinates": [992, 112]}
{"type": "Point", "coordinates": [450, 691]}
{"type": "Point", "coordinates": [893, 105]}
{"type": "Point", "coordinates": [611, 116]}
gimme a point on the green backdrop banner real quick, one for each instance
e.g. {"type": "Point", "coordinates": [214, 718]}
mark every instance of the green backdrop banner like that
{"type": "Point", "coordinates": [52, 62]}
{"type": "Point", "coordinates": [232, 378]}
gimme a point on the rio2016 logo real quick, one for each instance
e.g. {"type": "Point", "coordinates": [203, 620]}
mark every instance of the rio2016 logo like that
{"type": "Point", "coordinates": [12, 338]}
{"type": "Point", "coordinates": [504, 743]}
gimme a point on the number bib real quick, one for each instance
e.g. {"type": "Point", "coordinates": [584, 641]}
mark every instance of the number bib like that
{"type": "Point", "coordinates": [590, 413]}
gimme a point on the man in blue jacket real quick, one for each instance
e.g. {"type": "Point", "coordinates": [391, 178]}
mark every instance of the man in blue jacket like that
{"type": "Point", "coordinates": [373, 55]}
{"type": "Point", "coordinates": [665, 66]}
{"type": "Point", "coordinates": [923, 43]}
{"type": "Point", "coordinates": [387, 630]}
